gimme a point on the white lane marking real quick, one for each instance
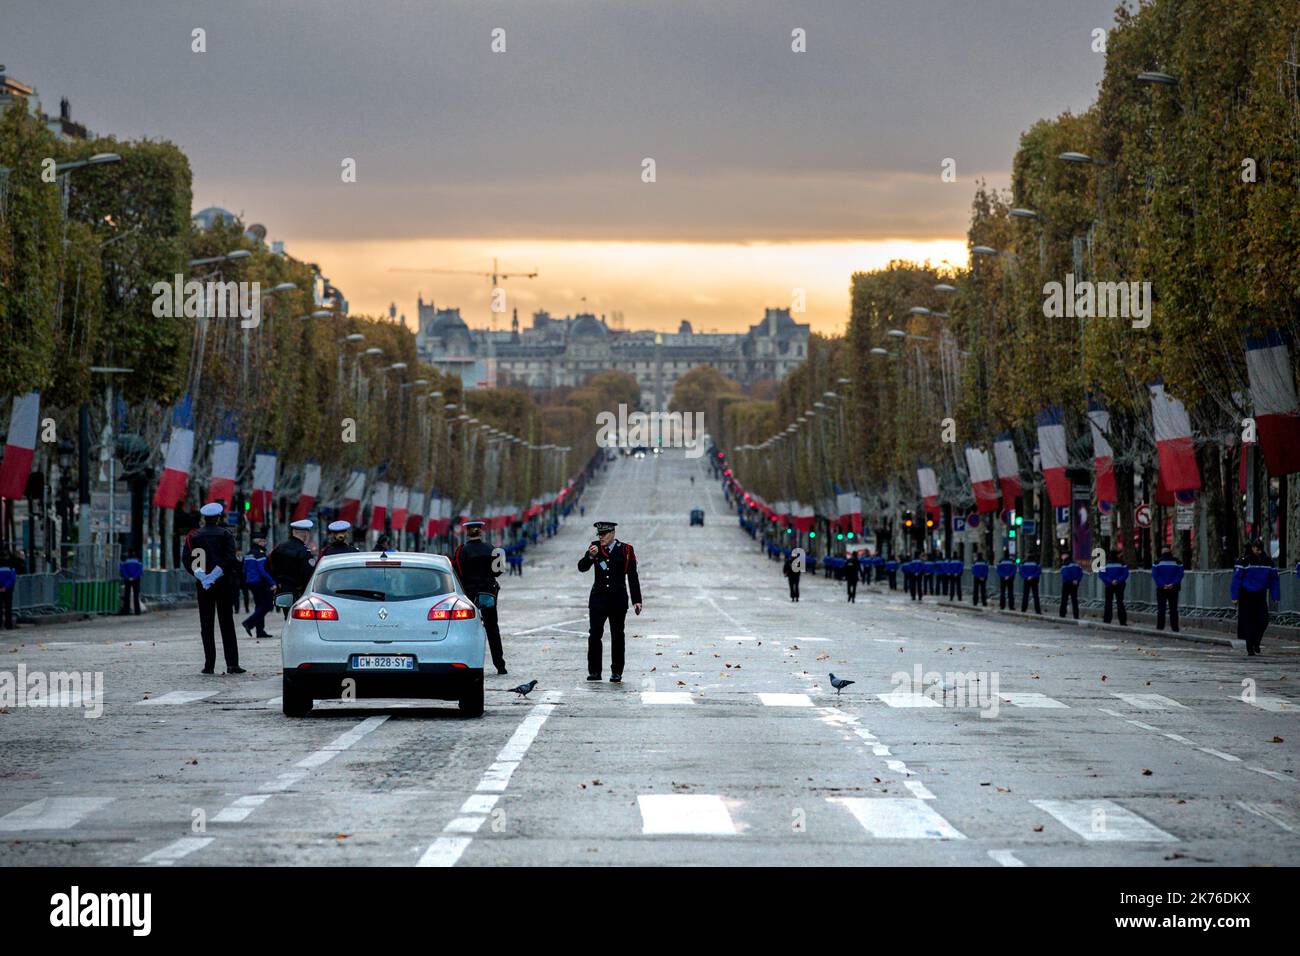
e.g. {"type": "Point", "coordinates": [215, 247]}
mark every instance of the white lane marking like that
{"type": "Point", "coordinates": [274, 703]}
{"type": "Point", "coordinates": [177, 850]}
{"type": "Point", "coordinates": [1271, 773]}
{"type": "Point", "coordinates": [447, 850]}
{"type": "Point", "coordinates": [1005, 858]}
{"type": "Point", "coordinates": [919, 790]}
{"type": "Point", "coordinates": [1148, 701]}
{"type": "Point", "coordinates": [52, 813]}
{"type": "Point", "coordinates": [1274, 705]}
{"type": "Point", "coordinates": [1220, 754]}
{"type": "Point", "coordinates": [241, 808]}
{"type": "Point", "coordinates": [738, 637]}
{"type": "Point", "coordinates": [341, 743]}
{"type": "Point", "coordinates": [548, 627]}
{"type": "Point", "coordinates": [666, 697]}
{"type": "Point", "coordinates": [898, 698]}
{"type": "Point", "coordinates": [1028, 699]}
{"type": "Point", "coordinates": [1191, 743]}
{"type": "Point", "coordinates": [1103, 821]}
{"type": "Point", "coordinates": [899, 818]}
{"type": "Point", "coordinates": [697, 814]}
{"type": "Point", "coordinates": [178, 697]}
{"type": "Point", "coordinates": [785, 700]}
{"type": "Point", "coordinates": [663, 637]}
{"type": "Point", "coordinates": [1285, 817]}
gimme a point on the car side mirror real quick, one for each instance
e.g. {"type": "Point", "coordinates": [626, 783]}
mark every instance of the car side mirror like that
{"type": "Point", "coordinates": [284, 600]}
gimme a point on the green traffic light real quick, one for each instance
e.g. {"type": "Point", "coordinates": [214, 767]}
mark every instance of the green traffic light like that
{"type": "Point", "coordinates": [850, 535]}
{"type": "Point", "coordinates": [1011, 533]}
{"type": "Point", "coordinates": [812, 534]}
{"type": "Point", "coordinates": [839, 537]}
{"type": "Point", "coordinates": [1019, 521]}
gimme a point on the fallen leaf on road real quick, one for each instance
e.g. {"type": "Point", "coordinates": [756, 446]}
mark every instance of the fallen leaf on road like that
{"type": "Point", "coordinates": [1277, 740]}
{"type": "Point", "coordinates": [823, 657]}
{"type": "Point", "coordinates": [1146, 772]}
{"type": "Point", "coordinates": [1039, 828]}
{"type": "Point", "coordinates": [1004, 789]}
{"type": "Point", "coordinates": [1103, 678]}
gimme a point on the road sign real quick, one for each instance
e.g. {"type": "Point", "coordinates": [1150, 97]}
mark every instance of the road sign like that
{"type": "Point", "coordinates": [1029, 527]}
{"type": "Point", "coordinates": [958, 523]}
{"type": "Point", "coordinates": [1063, 514]}
{"type": "Point", "coordinates": [1184, 517]}
{"type": "Point", "coordinates": [1105, 506]}
{"type": "Point", "coordinates": [1142, 515]}
{"type": "Point", "coordinates": [973, 520]}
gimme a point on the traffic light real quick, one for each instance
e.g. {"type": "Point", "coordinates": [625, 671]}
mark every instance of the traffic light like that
{"type": "Point", "coordinates": [1012, 534]}
{"type": "Point", "coordinates": [929, 522]}
{"type": "Point", "coordinates": [812, 534]}
{"type": "Point", "coordinates": [850, 535]}
{"type": "Point", "coordinates": [907, 519]}
{"type": "Point", "coordinates": [1019, 521]}
{"type": "Point", "coordinates": [789, 530]}
{"type": "Point", "coordinates": [247, 504]}
{"type": "Point", "coordinates": [839, 537]}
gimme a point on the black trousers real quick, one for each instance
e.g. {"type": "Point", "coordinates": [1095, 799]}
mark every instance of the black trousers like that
{"type": "Point", "coordinates": [1006, 593]}
{"type": "Point", "coordinates": [7, 609]}
{"type": "Point", "coordinates": [1252, 618]}
{"type": "Point", "coordinates": [264, 600]}
{"type": "Point", "coordinates": [1070, 593]}
{"type": "Point", "coordinates": [916, 587]}
{"type": "Point", "coordinates": [494, 636]}
{"type": "Point", "coordinates": [955, 591]}
{"type": "Point", "coordinates": [1029, 586]}
{"type": "Point", "coordinates": [130, 594]}
{"type": "Point", "coordinates": [1167, 600]}
{"type": "Point", "coordinates": [1115, 595]}
{"type": "Point", "coordinates": [217, 601]}
{"type": "Point", "coordinates": [980, 592]}
{"type": "Point", "coordinates": [793, 581]}
{"type": "Point", "coordinates": [893, 580]}
{"type": "Point", "coordinates": [615, 614]}
{"type": "Point", "coordinates": [853, 588]}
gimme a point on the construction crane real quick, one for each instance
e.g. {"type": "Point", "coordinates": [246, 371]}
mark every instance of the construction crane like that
{"type": "Point", "coordinates": [496, 275]}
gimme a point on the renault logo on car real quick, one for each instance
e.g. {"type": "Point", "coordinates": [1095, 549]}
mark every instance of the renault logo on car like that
{"type": "Point", "coordinates": [383, 614]}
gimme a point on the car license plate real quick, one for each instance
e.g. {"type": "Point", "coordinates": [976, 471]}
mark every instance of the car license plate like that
{"type": "Point", "coordinates": [382, 662]}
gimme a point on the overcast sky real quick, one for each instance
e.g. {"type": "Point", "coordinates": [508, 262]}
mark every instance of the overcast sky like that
{"type": "Point", "coordinates": [462, 153]}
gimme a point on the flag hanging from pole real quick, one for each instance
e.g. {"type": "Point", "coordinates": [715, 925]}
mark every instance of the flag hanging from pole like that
{"type": "Point", "coordinates": [350, 510]}
{"type": "Point", "coordinates": [981, 480]}
{"type": "Point", "coordinates": [1174, 448]}
{"type": "Point", "coordinates": [177, 459]}
{"type": "Point", "coordinates": [1004, 454]}
{"type": "Point", "coordinates": [20, 446]}
{"type": "Point", "coordinates": [1273, 395]}
{"type": "Point", "coordinates": [1103, 456]}
{"type": "Point", "coordinates": [929, 489]}
{"type": "Point", "coordinates": [310, 489]}
{"type": "Point", "coordinates": [225, 468]}
{"type": "Point", "coordinates": [259, 506]}
{"type": "Point", "coordinates": [1053, 457]}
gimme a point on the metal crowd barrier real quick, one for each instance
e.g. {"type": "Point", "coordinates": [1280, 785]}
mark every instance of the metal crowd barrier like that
{"type": "Point", "coordinates": [40, 595]}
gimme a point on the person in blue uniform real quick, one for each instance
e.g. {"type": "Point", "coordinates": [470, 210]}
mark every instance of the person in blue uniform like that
{"type": "Point", "coordinates": [132, 569]}
{"type": "Point", "coordinates": [1071, 575]}
{"type": "Point", "coordinates": [1006, 582]}
{"type": "Point", "coordinates": [927, 572]}
{"type": "Point", "coordinates": [956, 568]}
{"type": "Point", "coordinates": [614, 564]}
{"type": "Point", "coordinates": [8, 581]}
{"type": "Point", "coordinates": [979, 572]}
{"type": "Point", "coordinates": [262, 584]}
{"type": "Point", "coordinates": [891, 570]}
{"type": "Point", "coordinates": [1115, 578]}
{"type": "Point", "coordinates": [1167, 575]}
{"type": "Point", "coordinates": [918, 577]}
{"type": "Point", "coordinates": [1254, 581]}
{"type": "Point", "coordinates": [1030, 570]}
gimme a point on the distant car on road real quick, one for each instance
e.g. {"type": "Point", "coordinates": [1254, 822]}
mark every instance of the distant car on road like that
{"type": "Point", "coordinates": [382, 625]}
{"type": "Point", "coordinates": [697, 516]}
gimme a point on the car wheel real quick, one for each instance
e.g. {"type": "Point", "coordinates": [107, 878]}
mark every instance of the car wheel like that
{"type": "Point", "coordinates": [471, 702]}
{"type": "Point", "coordinates": [293, 701]}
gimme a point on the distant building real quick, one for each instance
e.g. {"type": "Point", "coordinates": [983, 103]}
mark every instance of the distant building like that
{"type": "Point", "coordinates": [557, 352]}
{"type": "Point", "coordinates": [62, 126]}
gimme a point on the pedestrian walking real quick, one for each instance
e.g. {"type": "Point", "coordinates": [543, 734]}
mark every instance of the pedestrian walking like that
{"type": "Point", "coordinates": [614, 564]}
{"type": "Point", "coordinates": [1006, 570]}
{"type": "Point", "coordinates": [131, 570]}
{"type": "Point", "coordinates": [1030, 571]}
{"type": "Point", "coordinates": [1071, 575]}
{"type": "Point", "coordinates": [1167, 575]}
{"type": "Point", "coordinates": [979, 572]}
{"type": "Point", "coordinates": [477, 567]}
{"type": "Point", "coordinates": [851, 579]}
{"type": "Point", "coordinates": [1254, 581]}
{"type": "Point", "coordinates": [790, 567]}
{"type": "Point", "coordinates": [1114, 576]}
{"type": "Point", "coordinates": [262, 584]}
{"type": "Point", "coordinates": [210, 557]}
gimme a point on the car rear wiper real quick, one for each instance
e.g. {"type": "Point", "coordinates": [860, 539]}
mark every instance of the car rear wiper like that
{"type": "Point", "coordinates": [362, 593]}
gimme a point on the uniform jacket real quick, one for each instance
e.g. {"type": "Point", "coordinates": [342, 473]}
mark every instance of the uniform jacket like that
{"type": "Point", "coordinates": [7, 578]}
{"type": "Point", "coordinates": [1030, 570]}
{"type": "Point", "coordinates": [979, 570]}
{"type": "Point", "coordinates": [473, 562]}
{"type": "Point", "coordinates": [218, 547]}
{"type": "Point", "coordinates": [1113, 574]}
{"type": "Point", "coordinates": [616, 574]}
{"type": "Point", "coordinates": [255, 573]}
{"type": "Point", "coordinates": [1071, 573]}
{"type": "Point", "coordinates": [1254, 578]}
{"type": "Point", "coordinates": [1167, 574]}
{"type": "Point", "coordinates": [291, 565]}
{"type": "Point", "coordinates": [1006, 568]}
{"type": "Point", "coordinates": [337, 547]}
{"type": "Point", "coordinates": [131, 569]}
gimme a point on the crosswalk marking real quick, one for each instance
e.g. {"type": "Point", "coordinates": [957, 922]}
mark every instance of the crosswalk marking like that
{"type": "Point", "coordinates": [785, 700]}
{"type": "Point", "coordinates": [1275, 705]}
{"type": "Point", "coordinates": [666, 697]}
{"type": "Point", "coordinates": [898, 698]}
{"type": "Point", "coordinates": [1104, 821]}
{"type": "Point", "coordinates": [1027, 699]}
{"type": "Point", "coordinates": [177, 850]}
{"type": "Point", "coordinates": [685, 813]}
{"type": "Point", "coordinates": [1284, 816]}
{"type": "Point", "coordinates": [899, 818]}
{"type": "Point", "coordinates": [178, 697]}
{"type": "Point", "coordinates": [238, 811]}
{"type": "Point", "coordinates": [1148, 701]}
{"type": "Point", "coordinates": [1005, 858]}
{"type": "Point", "coordinates": [52, 813]}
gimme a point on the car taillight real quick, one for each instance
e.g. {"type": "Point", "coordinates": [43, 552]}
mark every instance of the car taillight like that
{"type": "Point", "coordinates": [451, 609]}
{"type": "Point", "coordinates": [314, 609]}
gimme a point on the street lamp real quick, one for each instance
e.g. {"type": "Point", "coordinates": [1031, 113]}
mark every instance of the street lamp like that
{"type": "Point", "coordinates": [1022, 213]}
{"type": "Point", "coordinates": [97, 160]}
{"type": "Point", "coordinates": [1072, 156]}
{"type": "Point", "coordinates": [1154, 77]}
{"type": "Point", "coordinates": [945, 288]}
{"type": "Point", "coordinates": [235, 254]}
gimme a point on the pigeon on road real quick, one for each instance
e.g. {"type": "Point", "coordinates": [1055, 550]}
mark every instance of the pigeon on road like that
{"type": "Point", "coordinates": [523, 690]}
{"type": "Point", "coordinates": [839, 683]}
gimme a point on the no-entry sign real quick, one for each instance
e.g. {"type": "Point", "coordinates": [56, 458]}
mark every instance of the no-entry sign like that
{"type": "Point", "coordinates": [1142, 515]}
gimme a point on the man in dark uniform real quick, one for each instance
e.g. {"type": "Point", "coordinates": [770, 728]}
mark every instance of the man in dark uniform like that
{"type": "Point", "coordinates": [616, 573]}
{"type": "Point", "coordinates": [338, 543]}
{"type": "Point", "coordinates": [851, 578]}
{"type": "Point", "coordinates": [291, 562]}
{"type": "Point", "coordinates": [791, 568]}
{"type": "Point", "coordinates": [210, 557]}
{"type": "Point", "coordinates": [1006, 571]}
{"type": "Point", "coordinates": [477, 567]}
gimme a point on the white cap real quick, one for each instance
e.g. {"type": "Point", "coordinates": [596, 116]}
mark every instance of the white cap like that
{"type": "Point", "coordinates": [337, 526]}
{"type": "Point", "coordinates": [212, 509]}
{"type": "Point", "coordinates": [304, 524]}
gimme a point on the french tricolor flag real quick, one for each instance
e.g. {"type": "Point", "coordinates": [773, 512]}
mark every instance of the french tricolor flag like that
{"type": "Point", "coordinates": [225, 466]}
{"type": "Point", "coordinates": [849, 506]}
{"type": "Point", "coordinates": [416, 516]}
{"type": "Point", "coordinates": [259, 506]}
{"type": "Point", "coordinates": [20, 446]}
{"type": "Point", "coordinates": [379, 506]}
{"type": "Point", "coordinates": [804, 517]}
{"type": "Point", "coordinates": [310, 489]}
{"type": "Point", "coordinates": [1174, 448]}
{"type": "Point", "coordinates": [981, 479]}
{"type": "Point", "coordinates": [178, 459]}
{"type": "Point", "coordinates": [1053, 456]}
{"type": "Point", "coordinates": [929, 489]}
{"type": "Point", "coordinates": [401, 499]}
{"type": "Point", "coordinates": [1004, 456]}
{"type": "Point", "coordinates": [1103, 456]}
{"type": "Point", "coordinates": [350, 509]}
{"type": "Point", "coordinates": [1273, 394]}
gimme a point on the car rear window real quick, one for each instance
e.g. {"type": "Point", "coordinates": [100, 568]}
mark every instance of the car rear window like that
{"type": "Point", "coordinates": [384, 584]}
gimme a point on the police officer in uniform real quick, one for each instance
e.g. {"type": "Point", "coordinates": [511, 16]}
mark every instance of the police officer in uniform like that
{"type": "Point", "coordinates": [614, 562]}
{"type": "Point", "coordinates": [851, 578]}
{"type": "Point", "coordinates": [211, 558]}
{"type": "Point", "coordinates": [338, 543]}
{"type": "Point", "coordinates": [291, 562]}
{"type": "Point", "coordinates": [1167, 573]}
{"type": "Point", "coordinates": [1006, 570]}
{"type": "Point", "coordinates": [1254, 581]}
{"type": "Point", "coordinates": [1071, 575]}
{"type": "Point", "coordinates": [1030, 570]}
{"type": "Point", "coordinates": [979, 572]}
{"type": "Point", "coordinates": [790, 568]}
{"type": "Point", "coordinates": [476, 566]}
